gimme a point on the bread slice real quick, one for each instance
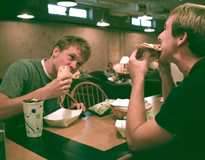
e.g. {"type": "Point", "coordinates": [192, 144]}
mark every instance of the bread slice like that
{"type": "Point", "coordinates": [144, 46]}
{"type": "Point", "coordinates": [63, 70]}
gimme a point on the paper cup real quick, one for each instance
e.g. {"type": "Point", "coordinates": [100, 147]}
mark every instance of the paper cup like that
{"type": "Point", "coordinates": [33, 114]}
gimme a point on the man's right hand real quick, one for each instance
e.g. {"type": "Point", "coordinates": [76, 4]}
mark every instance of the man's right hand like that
{"type": "Point", "coordinates": [58, 86]}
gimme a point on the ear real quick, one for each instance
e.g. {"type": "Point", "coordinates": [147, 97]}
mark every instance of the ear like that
{"type": "Point", "coordinates": [56, 50]}
{"type": "Point", "coordinates": [182, 38]}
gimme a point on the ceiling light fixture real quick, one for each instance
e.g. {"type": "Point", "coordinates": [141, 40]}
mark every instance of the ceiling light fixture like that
{"type": "Point", "coordinates": [149, 30]}
{"type": "Point", "coordinates": [103, 23]}
{"type": "Point", "coordinates": [25, 14]}
{"type": "Point", "coordinates": [68, 3]}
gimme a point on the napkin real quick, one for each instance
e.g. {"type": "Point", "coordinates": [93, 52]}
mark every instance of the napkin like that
{"type": "Point", "coordinates": [121, 103]}
{"type": "Point", "coordinates": [124, 103]}
{"type": "Point", "coordinates": [102, 108]}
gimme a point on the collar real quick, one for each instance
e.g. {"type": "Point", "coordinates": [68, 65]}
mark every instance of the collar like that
{"type": "Point", "coordinates": [42, 62]}
{"type": "Point", "coordinates": [197, 65]}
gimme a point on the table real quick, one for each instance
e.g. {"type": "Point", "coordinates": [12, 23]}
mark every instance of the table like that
{"type": "Point", "coordinates": [90, 137]}
{"type": "Point", "coordinates": [124, 76]}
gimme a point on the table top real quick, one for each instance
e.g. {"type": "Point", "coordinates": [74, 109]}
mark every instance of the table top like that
{"type": "Point", "coordinates": [90, 137]}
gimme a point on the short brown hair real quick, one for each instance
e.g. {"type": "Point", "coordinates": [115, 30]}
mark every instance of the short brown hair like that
{"type": "Point", "coordinates": [190, 18]}
{"type": "Point", "coordinates": [67, 41]}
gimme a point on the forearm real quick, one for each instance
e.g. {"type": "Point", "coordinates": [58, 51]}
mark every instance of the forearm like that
{"type": "Point", "coordinates": [10, 107]}
{"type": "Point", "coordinates": [136, 115]}
{"type": "Point", "coordinates": [167, 85]}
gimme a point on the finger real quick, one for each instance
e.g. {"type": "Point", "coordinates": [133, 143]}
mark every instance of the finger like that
{"type": "Point", "coordinates": [139, 54]}
{"type": "Point", "coordinates": [66, 87]}
{"type": "Point", "coordinates": [72, 106]}
{"type": "Point", "coordinates": [66, 84]}
{"type": "Point", "coordinates": [77, 106]}
{"type": "Point", "coordinates": [65, 77]}
{"type": "Point", "coordinates": [147, 57]}
{"type": "Point", "coordinates": [147, 54]}
{"type": "Point", "coordinates": [83, 107]}
{"type": "Point", "coordinates": [133, 55]}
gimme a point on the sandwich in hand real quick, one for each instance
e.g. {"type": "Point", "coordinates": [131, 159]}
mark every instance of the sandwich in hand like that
{"type": "Point", "coordinates": [63, 70]}
{"type": "Point", "coordinates": [155, 49]}
{"type": "Point", "coordinates": [144, 46]}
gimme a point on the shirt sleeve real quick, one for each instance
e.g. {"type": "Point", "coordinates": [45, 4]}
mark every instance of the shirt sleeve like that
{"type": "Point", "coordinates": [14, 80]}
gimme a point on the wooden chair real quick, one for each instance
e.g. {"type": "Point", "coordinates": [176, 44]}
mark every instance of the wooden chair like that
{"type": "Point", "coordinates": [88, 93]}
{"type": "Point", "coordinates": [68, 101]}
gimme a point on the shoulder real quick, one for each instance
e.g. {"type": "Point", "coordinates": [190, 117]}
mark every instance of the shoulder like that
{"type": "Point", "coordinates": [24, 66]}
{"type": "Point", "coordinates": [26, 62]}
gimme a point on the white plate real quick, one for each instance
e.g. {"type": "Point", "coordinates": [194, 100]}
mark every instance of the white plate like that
{"type": "Point", "coordinates": [121, 127]}
{"type": "Point", "coordinates": [62, 117]}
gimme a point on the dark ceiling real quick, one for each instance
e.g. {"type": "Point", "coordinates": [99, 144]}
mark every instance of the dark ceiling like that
{"type": "Point", "coordinates": [115, 11]}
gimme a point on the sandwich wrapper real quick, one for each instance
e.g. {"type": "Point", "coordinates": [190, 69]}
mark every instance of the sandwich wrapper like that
{"type": "Point", "coordinates": [62, 117]}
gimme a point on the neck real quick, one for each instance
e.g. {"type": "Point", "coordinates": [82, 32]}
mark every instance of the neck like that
{"type": "Point", "coordinates": [185, 61]}
{"type": "Point", "coordinates": [50, 68]}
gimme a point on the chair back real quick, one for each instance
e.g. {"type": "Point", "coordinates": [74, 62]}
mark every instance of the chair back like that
{"type": "Point", "coordinates": [68, 101]}
{"type": "Point", "coordinates": [88, 93]}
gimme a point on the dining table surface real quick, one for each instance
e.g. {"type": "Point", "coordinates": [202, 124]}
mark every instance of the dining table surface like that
{"type": "Point", "coordinates": [89, 138]}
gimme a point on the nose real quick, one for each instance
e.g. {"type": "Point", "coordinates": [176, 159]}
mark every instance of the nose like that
{"type": "Point", "coordinates": [73, 66]}
{"type": "Point", "coordinates": [159, 37]}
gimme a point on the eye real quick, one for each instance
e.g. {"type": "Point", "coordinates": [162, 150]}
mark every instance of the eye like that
{"type": "Point", "coordinates": [71, 57]}
{"type": "Point", "coordinates": [79, 64]}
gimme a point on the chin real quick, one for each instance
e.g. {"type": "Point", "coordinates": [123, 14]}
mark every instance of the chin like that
{"type": "Point", "coordinates": [162, 59]}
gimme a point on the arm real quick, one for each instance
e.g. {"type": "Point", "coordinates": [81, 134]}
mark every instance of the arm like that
{"type": "Point", "coordinates": [167, 79]}
{"type": "Point", "coordinates": [140, 133]}
{"type": "Point", "coordinates": [10, 107]}
{"type": "Point", "coordinates": [116, 74]}
{"type": "Point", "coordinates": [106, 71]}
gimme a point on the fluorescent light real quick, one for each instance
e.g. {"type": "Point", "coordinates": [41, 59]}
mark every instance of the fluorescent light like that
{"type": "Point", "coordinates": [70, 3]}
{"type": "Point", "coordinates": [149, 30]}
{"type": "Point", "coordinates": [102, 23]}
{"type": "Point", "coordinates": [76, 12]}
{"type": "Point", "coordinates": [55, 9]}
{"type": "Point", "coordinates": [145, 17]}
{"type": "Point", "coordinates": [25, 16]}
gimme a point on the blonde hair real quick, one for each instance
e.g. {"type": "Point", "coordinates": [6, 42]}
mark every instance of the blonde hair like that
{"type": "Point", "coordinates": [190, 18]}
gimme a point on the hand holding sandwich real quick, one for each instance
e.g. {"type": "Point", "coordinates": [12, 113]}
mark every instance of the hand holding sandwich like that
{"type": "Point", "coordinates": [138, 68]}
{"type": "Point", "coordinates": [58, 86]}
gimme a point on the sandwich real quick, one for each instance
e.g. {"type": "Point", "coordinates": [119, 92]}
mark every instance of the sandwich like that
{"type": "Point", "coordinates": [145, 46]}
{"type": "Point", "coordinates": [155, 49]}
{"type": "Point", "coordinates": [63, 70]}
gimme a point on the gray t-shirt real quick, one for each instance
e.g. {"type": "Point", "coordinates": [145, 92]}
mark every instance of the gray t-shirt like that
{"type": "Point", "coordinates": [25, 76]}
